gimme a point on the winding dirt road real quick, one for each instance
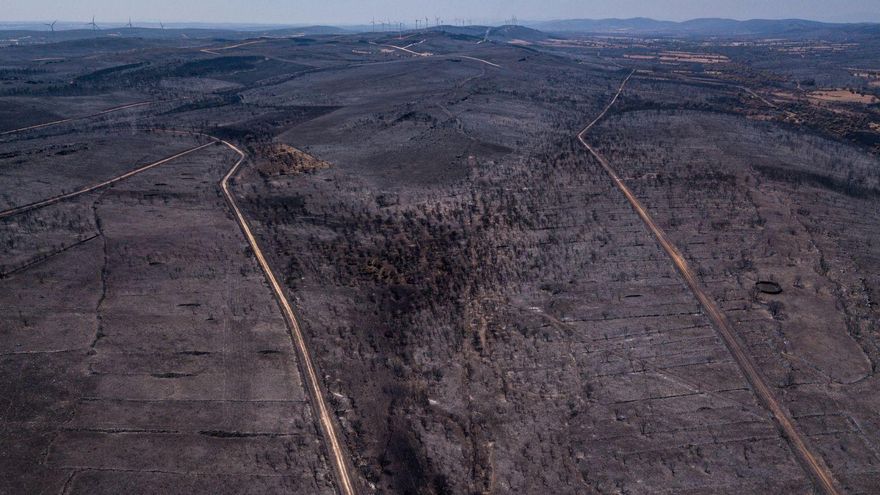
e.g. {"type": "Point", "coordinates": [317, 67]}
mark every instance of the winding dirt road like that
{"type": "Point", "coordinates": [812, 463]}
{"type": "Point", "coordinates": [407, 50]}
{"type": "Point", "coordinates": [427, 54]}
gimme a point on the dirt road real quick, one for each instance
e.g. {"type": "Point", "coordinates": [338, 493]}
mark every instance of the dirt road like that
{"type": "Point", "coordinates": [427, 54]}
{"type": "Point", "coordinates": [46, 202]}
{"type": "Point", "coordinates": [334, 446]}
{"type": "Point", "coordinates": [340, 465]}
{"type": "Point", "coordinates": [811, 462]}
{"type": "Point", "coordinates": [213, 51]}
{"type": "Point", "coordinates": [407, 50]}
{"type": "Point", "coordinates": [189, 335]}
{"type": "Point", "coordinates": [71, 119]}
{"type": "Point", "coordinates": [481, 60]}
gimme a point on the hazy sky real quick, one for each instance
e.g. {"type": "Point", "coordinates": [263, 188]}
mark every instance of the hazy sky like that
{"type": "Point", "coordinates": [362, 11]}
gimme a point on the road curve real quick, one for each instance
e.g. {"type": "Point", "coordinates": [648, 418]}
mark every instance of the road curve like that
{"type": "Point", "coordinates": [811, 462]}
{"type": "Point", "coordinates": [340, 465]}
{"type": "Point", "coordinates": [54, 199]}
{"type": "Point", "coordinates": [71, 119]}
{"type": "Point", "coordinates": [407, 50]}
{"type": "Point", "coordinates": [426, 54]}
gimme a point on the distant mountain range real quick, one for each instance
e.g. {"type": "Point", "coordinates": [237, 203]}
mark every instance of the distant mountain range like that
{"type": "Point", "coordinates": [704, 27]}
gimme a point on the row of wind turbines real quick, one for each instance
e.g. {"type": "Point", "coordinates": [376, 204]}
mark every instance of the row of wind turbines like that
{"type": "Point", "coordinates": [94, 25]}
{"type": "Point", "coordinates": [387, 25]}
{"type": "Point", "coordinates": [384, 25]}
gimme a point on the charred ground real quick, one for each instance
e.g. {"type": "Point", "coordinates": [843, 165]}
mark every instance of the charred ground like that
{"type": "Point", "coordinates": [487, 312]}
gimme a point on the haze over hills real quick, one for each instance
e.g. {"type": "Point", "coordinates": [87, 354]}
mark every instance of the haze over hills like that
{"type": "Point", "coordinates": [637, 25]}
{"type": "Point", "coordinates": [701, 27]}
{"type": "Point", "coordinates": [31, 34]}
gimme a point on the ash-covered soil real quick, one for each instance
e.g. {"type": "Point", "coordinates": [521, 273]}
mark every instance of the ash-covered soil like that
{"type": "Point", "coordinates": [43, 167]}
{"type": "Point", "coordinates": [485, 310]}
{"type": "Point", "coordinates": [749, 202]}
{"type": "Point", "coordinates": [146, 353]}
{"type": "Point", "coordinates": [499, 320]}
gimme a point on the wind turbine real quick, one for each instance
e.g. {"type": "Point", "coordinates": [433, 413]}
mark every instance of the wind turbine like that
{"type": "Point", "coordinates": [129, 23]}
{"type": "Point", "coordinates": [51, 26]}
{"type": "Point", "coordinates": [161, 25]}
{"type": "Point", "coordinates": [94, 26]}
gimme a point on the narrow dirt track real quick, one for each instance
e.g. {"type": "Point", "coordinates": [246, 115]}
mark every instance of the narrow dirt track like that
{"type": "Point", "coordinates": [72, 119]}
{"type": "Point", "coordinates": [481, 60]}
{"type": "Point", "coordinates": [812, 463]}
{"type": "Point", "coordinates": [426, 54]}
{"type": "Point", "coordinates": [340, 464]}
{"type": "Point", "coordinates": [407, 50]}
{"type": "Point", "coordinates": [213, 51]}
{"type": "Point", "coordinates": [46, 202]}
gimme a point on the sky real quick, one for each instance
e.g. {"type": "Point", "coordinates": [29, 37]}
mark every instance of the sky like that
{"type": "Point", "coordinates": [342, 12]}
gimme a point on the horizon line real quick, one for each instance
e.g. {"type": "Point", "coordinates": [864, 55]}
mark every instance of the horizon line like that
{"type": "Point", "coordinates": [524, 22]}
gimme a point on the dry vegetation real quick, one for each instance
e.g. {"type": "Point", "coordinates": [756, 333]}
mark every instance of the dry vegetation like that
{"type": "Point", "coordinates": [283, 159]}
{"type": "Point", "coordinates": [842, 96]}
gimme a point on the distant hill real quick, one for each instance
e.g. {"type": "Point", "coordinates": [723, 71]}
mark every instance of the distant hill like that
{"type": "Point", "coordinates": [511, 33]}
{"type": "Point", "coordinates": [707, 27]}
{"type": "Point", "coordinates": [35, 36]}
{"type": "Point", "coordinates": [504, 33]}
{"type": "Point", "coordinates": [36, 33]}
